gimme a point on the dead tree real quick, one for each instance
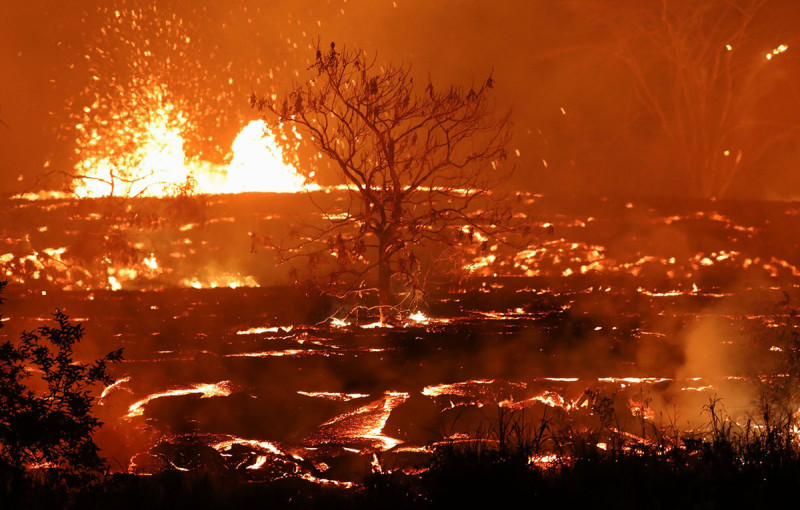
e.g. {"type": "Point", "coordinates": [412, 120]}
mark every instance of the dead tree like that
{"type": "Point", "coordinates": [421, 170]}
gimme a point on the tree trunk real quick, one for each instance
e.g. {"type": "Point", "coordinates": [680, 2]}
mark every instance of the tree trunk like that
{"type": "Point", "coordinates": [384, 280]}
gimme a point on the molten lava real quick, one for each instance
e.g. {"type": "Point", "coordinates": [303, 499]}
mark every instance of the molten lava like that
{"type": "Point", "coordinates": [258, 165]}
{"type": "Point", "coordinates": [205, 390]}
{"type": "Point", "coordinates": [153, 162]}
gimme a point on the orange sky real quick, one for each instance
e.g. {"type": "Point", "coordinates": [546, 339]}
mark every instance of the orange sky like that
{"type": "Point", "coordinates": [546, 56]}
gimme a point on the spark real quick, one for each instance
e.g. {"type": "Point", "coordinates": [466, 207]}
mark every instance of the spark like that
{"type": "Point", "coordinates": [777, 51]}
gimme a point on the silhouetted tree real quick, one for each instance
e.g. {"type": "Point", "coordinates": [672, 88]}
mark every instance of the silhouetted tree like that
{"type": "Point", "coordinates": [46, 404]}
{"type": "Point", "coordinates": [422, 171]}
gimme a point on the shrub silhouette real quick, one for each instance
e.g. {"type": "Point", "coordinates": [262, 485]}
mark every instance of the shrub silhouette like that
{"type": "Point", "coordinates": [46, 403]}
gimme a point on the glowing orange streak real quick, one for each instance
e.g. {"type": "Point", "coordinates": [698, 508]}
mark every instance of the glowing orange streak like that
{"type": "Point", "coordinates": [261, 445]}
{"type": "Point", "coordinates": [634, 380]}
{"type": "Point", "coordinates": [264, 354]}
{"type": "Point", "coordinates": [698, 388]}
{"type": "Point", "coordinates": [206, 390]}
{"type": "Point", "coordinates": [367, 422]}
{"type": "Point", "coordinates": [459, 388]}
{"type": "Point", "coordinates": [260, 461]}
{"type": "Point", "coordinates": [549, 398]}
{"type": "Point", "coordinates": [336, 397]}
{"type": "Point", "coordinates": [639, 439]}
{"type": "Point", "coordinates": [325, 481]}
{"type": "Point", "coordinates": [661, 294]}
{"type": "Point", "coordinates": [256, 331]}
{"type": "Point", "coordinates": [111, 387]}
{"type": "Point", "coordinates": [546, 460]}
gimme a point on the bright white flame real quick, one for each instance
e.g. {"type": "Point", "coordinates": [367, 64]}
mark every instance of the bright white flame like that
{"type": "Point", "coordinates": [339, 323]}
{"type": "Point", "coordinates": [257, 164]}
{"type": "Point", "coordinates": [419, 317]}
{"type": "Point", "coordinates": [154, 162]}
{"type": "Point", "coordinates": [113, 283]}
{"type": "Point", "coordinates": [151, 262]}
{"type": "Point", "coordinates": [154, 165]}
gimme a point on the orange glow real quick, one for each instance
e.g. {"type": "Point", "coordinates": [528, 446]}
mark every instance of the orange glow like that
{"type": "Point", "coordinates": [256, 331]}
{"type": "Point", "coordinates": [634, 380]}
{"type": "Point", "coordinates": [325, 482]}
{"type": "Point", "coordinates": [459, 388]}
{"type": "Point", "coordinates": [777, 51]}
{"type": "Point", "coordinates": [339, 323]}
{"type": "Point", "coordinates": [139, 158]}
{"type": "Point", "coordinates": [419, 318]}
{"type": "Point", "coordinates": [118, 384]}
{"type": "Point", "coordinates": [641, 409]}
{"type": "Point", "coordinates": [145, 156]}
{"type": "Point", "coordinates": [232, 281]}
{"type": "Point", "coordinates": [206, 390]}
{"type": "Point", "coordinates": [548, 398]}
{"type": "Point", "coordinates": [546, 460]}
{"type": "Point", "coordinates": [333, 396]}
{"type": "Point", "coordinates": [258, 165]}
{"type": "Point", "coordinates": [260, 445]}
{"type": "Point", "coordinates": [366, 422]}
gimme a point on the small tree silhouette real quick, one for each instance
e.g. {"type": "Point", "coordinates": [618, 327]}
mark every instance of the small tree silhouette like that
{"type": "Point", "coordinates": [45, 402]}
{"type": "Point", "coordinates": [422, 171]}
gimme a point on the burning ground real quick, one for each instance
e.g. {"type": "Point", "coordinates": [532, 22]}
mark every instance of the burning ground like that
{"type": "Point", "coordinates": [656, 306]}
{"type": "Point", "coordinates": [626, 325]}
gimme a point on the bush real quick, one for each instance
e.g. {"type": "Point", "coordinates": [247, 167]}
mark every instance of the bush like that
{"type": "Point", "coordinates": [46, 424]}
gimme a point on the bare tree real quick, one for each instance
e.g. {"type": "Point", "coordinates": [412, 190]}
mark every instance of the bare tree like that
{"type": "Point", "coordinates": [707, 73]}
{"type": "Point", "coordinates": [421, 171]}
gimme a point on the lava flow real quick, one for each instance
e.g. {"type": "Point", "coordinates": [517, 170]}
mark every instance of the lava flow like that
{"type": "Point", "coordinates": [318, 270]}
{"type": "Point", "coordinates": [205, 390]}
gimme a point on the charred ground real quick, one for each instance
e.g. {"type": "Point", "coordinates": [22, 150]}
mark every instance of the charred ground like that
{"type": "Point", "coordinates": [648, 308]}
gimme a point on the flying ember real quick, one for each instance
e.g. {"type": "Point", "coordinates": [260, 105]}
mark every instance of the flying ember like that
{"type": "Point", "coordinates": [148, 124]}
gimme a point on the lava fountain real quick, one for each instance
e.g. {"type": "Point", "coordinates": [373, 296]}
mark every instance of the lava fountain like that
{"type": "Point", "coordinates": [156, 164]}
{"type": "Point", "coordinates": [151, 122]}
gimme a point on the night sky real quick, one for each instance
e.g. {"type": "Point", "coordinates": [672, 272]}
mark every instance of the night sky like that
{"type": "Point", "coordinates": [579, 123]}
